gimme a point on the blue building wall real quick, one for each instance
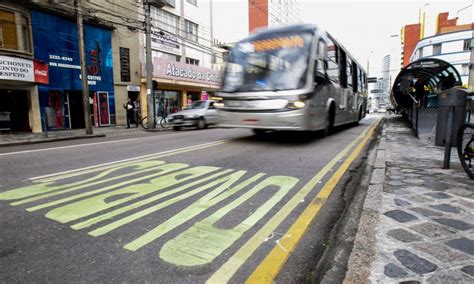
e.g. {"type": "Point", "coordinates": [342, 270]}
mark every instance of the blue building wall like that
{"type": "Point", "coordinates": [56, 42]}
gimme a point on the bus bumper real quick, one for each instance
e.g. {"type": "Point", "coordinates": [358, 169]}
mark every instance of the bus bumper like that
{"type": "Point", "coordinates": [288, 120]}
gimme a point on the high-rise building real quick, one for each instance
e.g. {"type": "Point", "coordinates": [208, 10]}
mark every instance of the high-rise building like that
{"type": "Point", "coordinates": [385, 91]}
{"type": "Point", "coordinates": [272, 13]}
{"type": "Point", "coordinates": [183, 54]}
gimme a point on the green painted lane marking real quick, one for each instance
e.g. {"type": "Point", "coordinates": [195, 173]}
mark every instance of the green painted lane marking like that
{"type": "Point", "coordinates": [204, 203]}
{"type": "Point", "coordinates": [126, 162]}
{"type": "Point", "coordinates": [203, 242]}
{"type": "Point", "coordinates": [58, 190]}
{"type": "Point", "coordinates": [98, 203]}
{"type": "Point", "coordinates": [112, 226]}
{"type": "Point", "coordinates": [147, 211]}
{"type": "Point", "coordinates": [164, 169]}
{"type": "Point", "coordinates": [43, 188]}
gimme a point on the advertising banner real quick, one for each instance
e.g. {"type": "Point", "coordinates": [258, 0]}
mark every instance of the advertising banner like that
{"type": "Point", "coordinates": [165, 41]}
{"type": "Point", "coordinates": [185, 72]}
{"type": "Point", "coordinates": [41, 72]}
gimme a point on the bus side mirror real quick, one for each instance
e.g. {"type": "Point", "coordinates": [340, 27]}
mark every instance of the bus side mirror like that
{"type": "Point", "coordinates": [319, 74]}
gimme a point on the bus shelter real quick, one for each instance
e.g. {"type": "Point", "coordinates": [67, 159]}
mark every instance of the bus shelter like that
{"type": "Point", "coordinates": [420, 82]}
{"type": "Point", "coordinates": [416, 89]}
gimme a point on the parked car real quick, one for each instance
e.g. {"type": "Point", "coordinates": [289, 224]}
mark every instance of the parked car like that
{"type": "Point", "coordinates": [199, 114]}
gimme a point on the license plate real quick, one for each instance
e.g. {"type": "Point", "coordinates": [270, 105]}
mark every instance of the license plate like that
{"type": "Point", "coordinates": [251, 121]}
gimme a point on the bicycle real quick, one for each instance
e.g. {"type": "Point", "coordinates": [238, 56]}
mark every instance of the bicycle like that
{"type": "Point", "coordinates": [161, 120]}
{"type": "Point", "coordinates": [465, 142]}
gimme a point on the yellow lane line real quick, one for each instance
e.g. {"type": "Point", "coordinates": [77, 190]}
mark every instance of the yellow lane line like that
{"type": "Point", "coordinates": [228, 269]}
{"type": "Point", "coordinates": [274, 261]}
{"type": "Point", "coordinates": [130, 161]}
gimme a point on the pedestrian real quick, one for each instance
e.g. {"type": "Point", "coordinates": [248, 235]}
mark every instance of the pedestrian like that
{"type": "Point", "coordinates": [130, 109]}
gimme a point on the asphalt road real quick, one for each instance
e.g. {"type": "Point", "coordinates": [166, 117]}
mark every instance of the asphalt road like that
{"type": "Point", "coordinates": [217, 205]}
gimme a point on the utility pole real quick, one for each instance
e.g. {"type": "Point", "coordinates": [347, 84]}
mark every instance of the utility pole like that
{"type": "Point", "coordinates": [471, 68]}
{"type": "Point", "coordinates": [82, 55]}
{"type": "Point", "coordinates": [149, 69]}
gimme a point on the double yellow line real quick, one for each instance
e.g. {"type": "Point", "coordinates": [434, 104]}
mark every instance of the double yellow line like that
{"type": "Point", "coordinates": [274, 261]}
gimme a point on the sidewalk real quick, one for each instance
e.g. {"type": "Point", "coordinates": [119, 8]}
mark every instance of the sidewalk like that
{"type": "Point", "coordinates": [63, 135]}
{"type": "Point", "coordinates": [417, 224]}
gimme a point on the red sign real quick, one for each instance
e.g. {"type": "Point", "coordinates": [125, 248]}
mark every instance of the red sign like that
{"type": "Point", "coordinates": [41, 72]}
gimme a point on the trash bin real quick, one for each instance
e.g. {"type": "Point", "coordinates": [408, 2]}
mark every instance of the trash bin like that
{"type": "Point", "coordinates": [454, 100]}
{"type": "Point", "coordinates": [5, 121]}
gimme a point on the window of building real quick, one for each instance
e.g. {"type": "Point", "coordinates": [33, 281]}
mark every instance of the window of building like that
{"type": "Point", "coordinates": [467, 44]}
{"type": "Point", "coordinates": [192, 61]}
{"type": "Point", "coordinates": [165, 56]}
{"type": "Point", "coordinates": [124, 64]}
{"type": "Point", "coordinates": [465, 69]}
{"type": "Point", "coordinates": [191, 30]}
{"type": "Point", "coordinates": [165, 20]}
{"type": "Point", "coordinates": [194, 2]}
{"type": "Point", "coordinates": [436, 49]}
{"type": "Point", "coordinates": [8, 33]}
{"type": "Point", "coordinates": [332, 58]}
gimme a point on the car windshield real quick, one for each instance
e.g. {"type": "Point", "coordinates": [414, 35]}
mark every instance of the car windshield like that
{"type": "Point", "coordinates": [272, 62]}
{"type": "Point", "coordinates": [197, 105]}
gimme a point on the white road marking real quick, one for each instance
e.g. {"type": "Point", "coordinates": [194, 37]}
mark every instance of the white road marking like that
{"type": "Point", "coordinates": [131, 159]}
{"type": "Point", "coordinates": [73, 146]}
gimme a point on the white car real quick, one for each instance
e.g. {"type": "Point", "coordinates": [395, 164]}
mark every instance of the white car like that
{"type": "Point", "coordinates": [199, 114]}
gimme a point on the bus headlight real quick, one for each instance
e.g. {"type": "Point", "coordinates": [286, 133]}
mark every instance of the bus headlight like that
{"type": "Point", "coordinates": [296, 105]}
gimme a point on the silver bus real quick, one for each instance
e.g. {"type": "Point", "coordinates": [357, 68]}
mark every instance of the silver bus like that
{"type": "Point", "coordinates": [296, 77]}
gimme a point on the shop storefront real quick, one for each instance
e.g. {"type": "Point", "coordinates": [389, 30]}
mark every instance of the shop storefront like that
{"type": "Point", "coordinates": [19, 109]}
{"type": "Point", "coordinates": [180, 84]}
{"type": "Point", "coordinates": [55, 41]}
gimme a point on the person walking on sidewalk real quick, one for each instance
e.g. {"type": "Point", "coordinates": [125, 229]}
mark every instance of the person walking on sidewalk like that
{"type": "Point", "coordinates": [130, 108]}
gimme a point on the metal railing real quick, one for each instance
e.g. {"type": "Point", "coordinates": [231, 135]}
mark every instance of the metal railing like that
{"type": "Point", "coordinates": [413, 115]}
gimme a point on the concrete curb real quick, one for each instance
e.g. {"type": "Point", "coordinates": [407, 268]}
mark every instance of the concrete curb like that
{"type": "Point", "coordinates": [364, 250]}
{"type": "Point", "coordinates": [46, 140]}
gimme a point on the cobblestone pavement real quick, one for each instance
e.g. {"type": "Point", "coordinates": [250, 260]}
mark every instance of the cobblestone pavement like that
{"type": "Point", "coordinates": [422, 217]}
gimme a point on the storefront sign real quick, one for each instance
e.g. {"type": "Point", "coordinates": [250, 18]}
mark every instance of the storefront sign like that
{"type": "Point", "coordinates": [16, 69]}
{"type": "Point", "coordinates": [41, 72]}
{"type": "Point", "coordinates": [165, 41]}
{"type": "Point", "coordinates": [133, 88]}
{"type": "Point", "coordinates": [185, 72]}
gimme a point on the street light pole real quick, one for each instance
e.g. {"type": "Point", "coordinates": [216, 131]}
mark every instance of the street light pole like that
{"type": "Point", "coordinates": [82, 55]}
{"type": "Point", "coordinates": [149, 69]}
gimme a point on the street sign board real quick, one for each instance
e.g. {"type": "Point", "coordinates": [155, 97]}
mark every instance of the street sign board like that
{"type": "Point", "coordinates": [371, 79]}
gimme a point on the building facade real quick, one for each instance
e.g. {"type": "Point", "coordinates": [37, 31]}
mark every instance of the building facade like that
{"type": "Point", "coordinates": [20, 74]}
{"type": "Point", "coordinates": [451, 43]}
{"type": "Point", "coordinates": [272, 13]}
{"type": "Point", "coordinates": [453, 47]}
{"type": "Point", "coordinates": [46, 33]}
{"type": "Point", "coordinates": [184, 57]}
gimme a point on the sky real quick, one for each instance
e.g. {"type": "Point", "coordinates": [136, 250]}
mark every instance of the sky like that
{"type": "Point", "coordinates": [368, 29]}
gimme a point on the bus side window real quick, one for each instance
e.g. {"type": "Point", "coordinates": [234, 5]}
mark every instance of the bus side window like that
{"type": "Point", "coordinates": [355, 75]}
{"type": "Point", "coordinates": [320, 60]}
{"type": "Point", "coordinates": [343, 68]}
{"type": "Point", "coordinates": [349, 73]}
{"type": "Point", "coordinates": [332, 62]}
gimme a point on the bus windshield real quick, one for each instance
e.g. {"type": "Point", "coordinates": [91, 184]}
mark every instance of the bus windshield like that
{"type": "Point", "coordinates": [269, 63]}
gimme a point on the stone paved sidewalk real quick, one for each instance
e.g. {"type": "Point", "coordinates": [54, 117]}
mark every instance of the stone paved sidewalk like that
{"type": "Point", "coordinates": [417, 225]}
